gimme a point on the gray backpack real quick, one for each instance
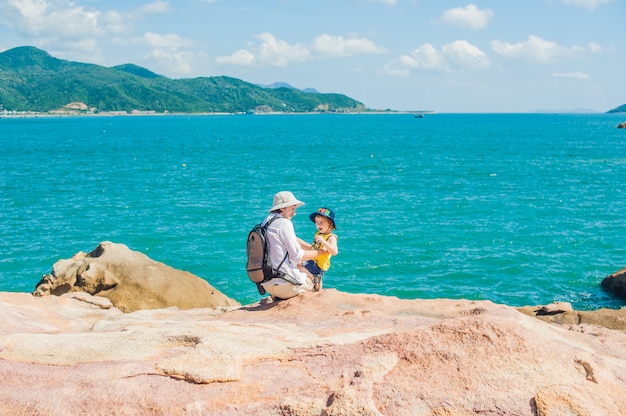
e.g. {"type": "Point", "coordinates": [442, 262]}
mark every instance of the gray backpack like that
{"type": "Point", "coordinates": [259, 264]}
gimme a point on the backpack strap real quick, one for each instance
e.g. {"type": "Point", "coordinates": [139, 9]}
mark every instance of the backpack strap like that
{"type": "Point", "coordinates": [281, 263]}
{"type": "Point", "coordinates": [283, 275]}
{"type": "Point", "coordinates": [267, 224]}
{"type": "Point", "coordinates": [277, 273]}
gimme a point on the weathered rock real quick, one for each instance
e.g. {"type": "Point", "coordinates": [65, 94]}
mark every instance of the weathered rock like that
{"type": "Point", "coordinates": [324, 353]}
{"type": "Point", "coordinates": [130, 280]}
{"type": "Point", "coordinates": [615, 283]}
{"type": "Point", "coordinates": [563, 314]}
{"type": "Point", "coordinates": [622, 125]}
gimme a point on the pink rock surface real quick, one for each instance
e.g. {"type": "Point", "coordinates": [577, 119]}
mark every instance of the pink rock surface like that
{"type": "Point", "coordinates": [324, 353]}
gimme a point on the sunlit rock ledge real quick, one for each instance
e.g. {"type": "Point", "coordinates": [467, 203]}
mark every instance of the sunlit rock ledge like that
{"type": "Point", "coordinates": [324, 353]}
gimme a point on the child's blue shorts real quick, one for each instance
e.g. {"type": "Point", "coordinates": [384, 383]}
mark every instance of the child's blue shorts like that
{"type": "Point", "coordinates": [312, 267]}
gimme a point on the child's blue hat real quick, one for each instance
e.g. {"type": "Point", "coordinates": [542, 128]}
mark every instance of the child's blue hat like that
{"type": "Point", "coordinates": [324, 212]}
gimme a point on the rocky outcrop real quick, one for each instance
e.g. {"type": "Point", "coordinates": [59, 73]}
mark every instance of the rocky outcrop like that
{"type": "Point", "coordinates": [323, 353]}
{"type": "Point", "coordinates": [615, 284]}
{"type": "Point", "coordinates": [130, 280]}
{"type": "Point", "coordinates": [622, 125]}
{"type": "Point", "coordinates": [562, 313]}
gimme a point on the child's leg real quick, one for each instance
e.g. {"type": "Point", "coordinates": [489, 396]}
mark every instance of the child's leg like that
{"type": "Point", "coordinates": [314, 272]}
{"type": "Point", "coordinates": [317, 282]}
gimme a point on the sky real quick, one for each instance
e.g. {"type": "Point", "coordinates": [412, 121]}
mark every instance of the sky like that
{"type": "Point", "coordinates": [406, 55]}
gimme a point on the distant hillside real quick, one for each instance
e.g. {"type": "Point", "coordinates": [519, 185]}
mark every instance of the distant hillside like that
{"type": "Point", "coordinates": [620, 109]}
{"type": "Point", "coordinates": [33, 80]}
{"type": "Point", "coordinates": [285, 85]}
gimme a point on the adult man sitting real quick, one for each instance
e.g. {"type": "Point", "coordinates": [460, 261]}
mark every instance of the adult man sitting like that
{"type": "Point", "coordinates": [285, 251]}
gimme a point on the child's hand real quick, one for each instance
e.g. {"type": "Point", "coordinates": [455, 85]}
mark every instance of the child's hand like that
{"type": "Point", "coordinates": [320, 243]}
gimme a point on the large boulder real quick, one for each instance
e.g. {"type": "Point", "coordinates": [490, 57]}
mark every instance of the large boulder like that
{"type": "Point", "coordinates": [622, 125]}
{"type": "Point", "coordinates": [130, 280]}
{"type": "Point", "coordinates": [615, 284]}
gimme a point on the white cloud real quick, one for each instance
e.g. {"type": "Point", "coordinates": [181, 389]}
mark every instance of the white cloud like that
{"type": "Point", "coordinates": [587, 4]}
{"type": "Point", "coordinates": [73, 30]}
{"type": "Point", "coordinates": [172, 52]}
{"type": "Point", "coordinates": [114, 22]}
{"type": "Point", "coordinates": [455, 56]}
{"type": "Point", "coordinates": [573, 75]}
{"type": "Point", "coordinates": [51, 18]}
{"type": "Point", "coordinates": [274, 52]}
{"type": "Point", "coordinates": [338, 46]}
{"type": "Point", "coordinates": [157, 7]}
{"type": "Point", "coordinates": [65, 22]}
{"type": "Point", "coordinates": [388, 2]}
{"type": "Point", "coordinates": [168, 41]}
{"type": "Point", "coordinates": [242, 57]}
{"type": "Point", "coordinates": [461, 54]}
{"type": "Point", "coordinates": [469, 16]}
{"type": "Point", "coordinates": [595, 48]}
{"type": "Point", "coordinates": [179, 62]}
{"type": "Point", "coordinates": [424, 58]}
{"type": "Point", "coordinates": [538, 50]}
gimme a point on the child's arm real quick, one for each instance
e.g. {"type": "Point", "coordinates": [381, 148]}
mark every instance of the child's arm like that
{"type": "Point", "coordinates": [329, 245]}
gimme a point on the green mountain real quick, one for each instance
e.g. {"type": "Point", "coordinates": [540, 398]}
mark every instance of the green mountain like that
{"type": "Point", "coordinates": [33, 80]}
{"type": "Point", "coordinates": [620, 109]}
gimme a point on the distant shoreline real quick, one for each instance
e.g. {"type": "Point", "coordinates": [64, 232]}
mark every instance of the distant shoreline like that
{"type": "Point", "coordinates": [155, 114]}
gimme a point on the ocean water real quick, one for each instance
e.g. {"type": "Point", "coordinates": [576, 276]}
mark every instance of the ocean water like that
{"type": "Point", "coordinates": [522, 209]}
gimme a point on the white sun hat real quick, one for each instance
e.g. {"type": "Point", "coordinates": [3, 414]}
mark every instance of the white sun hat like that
{"type": "Point", "coordinates": [284, 199]}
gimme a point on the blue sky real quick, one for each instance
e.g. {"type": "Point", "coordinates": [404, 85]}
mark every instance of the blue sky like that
{"type": "Point", "coordinates": [445, 56]}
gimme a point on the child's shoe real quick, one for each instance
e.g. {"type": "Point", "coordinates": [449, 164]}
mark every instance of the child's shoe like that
{"type": "Point", "coordinates": [317, 282]}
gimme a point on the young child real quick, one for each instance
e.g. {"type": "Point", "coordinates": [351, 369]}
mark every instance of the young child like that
{"type": "Point", "coordinates": [324, 239]}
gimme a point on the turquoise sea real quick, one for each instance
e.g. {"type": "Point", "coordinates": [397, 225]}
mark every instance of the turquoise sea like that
{"type": "Point", "coordinates": [522, 209]}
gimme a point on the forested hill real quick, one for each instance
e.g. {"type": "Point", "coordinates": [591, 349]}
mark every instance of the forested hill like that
{"type": "Point", "coordinates": [33, 80]}
{"type": "Point", "coordinates": [620, 109]}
